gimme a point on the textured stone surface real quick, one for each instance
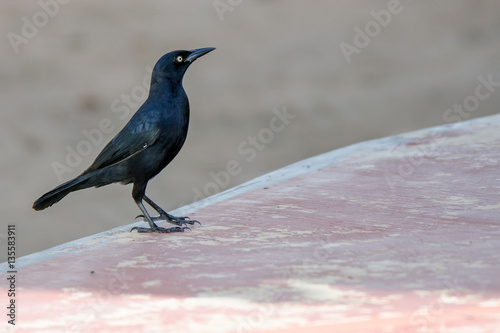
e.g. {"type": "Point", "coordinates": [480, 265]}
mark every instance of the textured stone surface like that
{"type": "Point", "coordinates": [400, 234]}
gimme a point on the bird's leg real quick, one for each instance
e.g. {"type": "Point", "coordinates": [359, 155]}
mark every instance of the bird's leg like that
{"type": "Point", "coordinates": [138, 194]}
{"type": "Point", "coordinates": [164, 216]}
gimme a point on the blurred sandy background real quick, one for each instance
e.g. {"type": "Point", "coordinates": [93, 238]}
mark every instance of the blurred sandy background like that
{"type": "Point", "coordinates": [270, 54]}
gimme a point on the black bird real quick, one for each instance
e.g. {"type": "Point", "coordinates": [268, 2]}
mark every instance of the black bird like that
{"type": "Point", "coordinates": [147, 143]}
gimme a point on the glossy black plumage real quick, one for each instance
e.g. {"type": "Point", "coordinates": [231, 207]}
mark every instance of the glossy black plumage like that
{"type": "Point", "coordinates": [147, 143]}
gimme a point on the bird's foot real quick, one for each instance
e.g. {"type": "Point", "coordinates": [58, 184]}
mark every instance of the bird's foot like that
{"type": "Point", "coordinates": [159, 229]}
{"type": "Point", "coordinates": [180, 221]}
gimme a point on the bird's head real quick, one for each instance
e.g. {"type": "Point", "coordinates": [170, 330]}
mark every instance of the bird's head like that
{"type": "Point", "coordinates": [173, 65]}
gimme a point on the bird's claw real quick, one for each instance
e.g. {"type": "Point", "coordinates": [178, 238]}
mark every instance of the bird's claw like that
{"type": "Point", "coordinates": [159, 229]}
{"type": "Point", "coordinates": [180, 221]}
{"type": "Point", "coordinates": [195, 221]}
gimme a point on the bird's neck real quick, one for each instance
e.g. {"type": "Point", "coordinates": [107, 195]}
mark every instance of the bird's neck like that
{"type": "Point", "coordinates": [166, 88]}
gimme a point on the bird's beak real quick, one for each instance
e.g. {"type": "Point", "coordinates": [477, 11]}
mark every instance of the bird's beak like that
{"type": "Point", "coordinates": [196, 53]}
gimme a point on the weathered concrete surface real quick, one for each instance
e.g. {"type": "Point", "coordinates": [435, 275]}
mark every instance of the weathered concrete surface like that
{"type": "Point", "coordinates": [394, 235]}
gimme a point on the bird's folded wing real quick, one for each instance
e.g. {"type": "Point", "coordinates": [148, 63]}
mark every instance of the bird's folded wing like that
{"type": "Point", "coordinates": [125, 145]}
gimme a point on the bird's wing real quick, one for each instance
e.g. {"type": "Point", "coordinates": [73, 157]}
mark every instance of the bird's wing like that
{"type": "Point", "coordinates": [126, 144]}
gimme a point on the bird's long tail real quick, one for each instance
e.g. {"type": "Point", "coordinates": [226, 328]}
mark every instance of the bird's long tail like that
{"type": "Point", "coordinates": [51, 197]}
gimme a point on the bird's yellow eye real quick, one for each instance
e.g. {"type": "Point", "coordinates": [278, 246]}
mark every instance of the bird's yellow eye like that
{"type": "Point", "coordinates": [179, 59]}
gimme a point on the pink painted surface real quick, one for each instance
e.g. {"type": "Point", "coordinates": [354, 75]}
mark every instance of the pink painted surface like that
{"type": "Point", "coordinates": [402, 238]}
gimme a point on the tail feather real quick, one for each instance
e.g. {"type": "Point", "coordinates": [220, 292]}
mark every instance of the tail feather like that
{"type": "Point", "coordinates": [51, 197]}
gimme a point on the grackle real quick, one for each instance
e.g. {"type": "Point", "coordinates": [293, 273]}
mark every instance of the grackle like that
{"type": "Point", "coordinates": [147, 143]}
